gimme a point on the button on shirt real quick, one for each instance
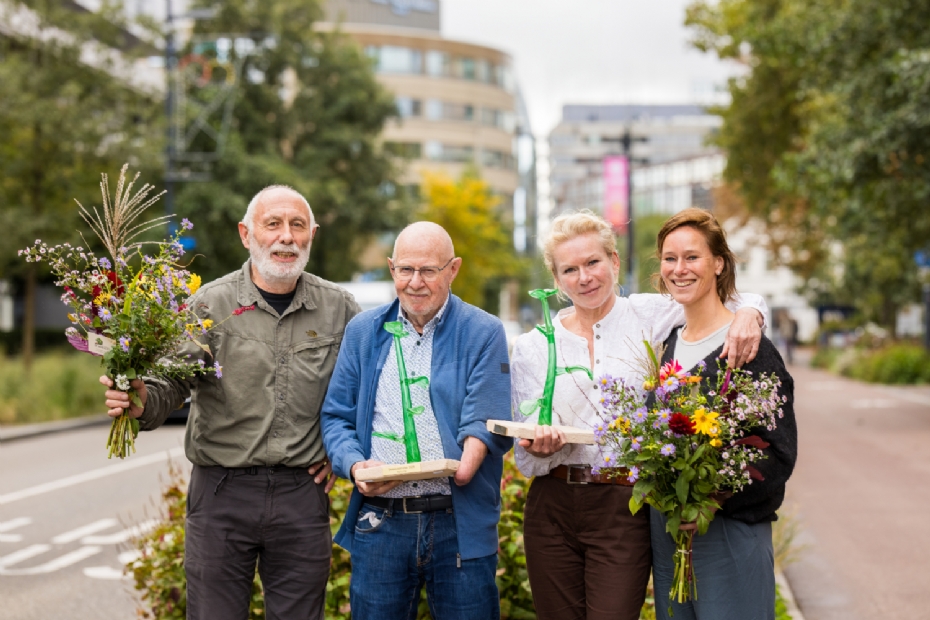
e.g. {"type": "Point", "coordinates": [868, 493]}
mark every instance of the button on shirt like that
{"type": "Point", "coordinates": [388, 414]}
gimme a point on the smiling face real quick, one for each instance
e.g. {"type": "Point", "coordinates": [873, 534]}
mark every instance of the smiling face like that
{"type": "Point", "coordinates": [279, 240]}
{"type": "Point", "coordinates": [423, 244]}
{"type": "Point", "coordinates": [688, 268]}
{"type": "Point", "coordinates": [585, 272]}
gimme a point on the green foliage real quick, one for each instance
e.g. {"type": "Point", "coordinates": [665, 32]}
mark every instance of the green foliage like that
{"type": "Point", "coordinates": [320, 138]}
{"type": "Point", "coordinates": [646, 230]}
{"type": "Point", "coordinates": [61, 385]}
{"type": "Point", "coordinates": [826, 136]}
{"type": "Point", "coordinates": [470, 214]}
{"type": "Point", "coordinates": [896, 364]}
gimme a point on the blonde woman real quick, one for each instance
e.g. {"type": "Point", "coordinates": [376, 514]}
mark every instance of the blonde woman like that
{"type": "Point", "coordinates": [587, 556]}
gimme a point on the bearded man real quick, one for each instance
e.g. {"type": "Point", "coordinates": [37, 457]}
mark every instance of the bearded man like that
{"type": "Point", "coordinates": [260, 474]}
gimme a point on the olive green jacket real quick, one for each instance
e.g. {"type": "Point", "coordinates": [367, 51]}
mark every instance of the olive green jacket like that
{"type": "Point", "coordinates": [265, 409]}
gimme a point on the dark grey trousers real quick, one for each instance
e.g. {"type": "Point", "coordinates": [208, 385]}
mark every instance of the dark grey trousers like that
{"type": "Point", "coordinates": [278, 517]}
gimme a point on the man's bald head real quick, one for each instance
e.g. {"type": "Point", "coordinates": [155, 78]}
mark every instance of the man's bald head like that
{"type": "Point", "coordinates": [425, 235]}
{"type": "Point", "coordinates": [272, 194]}
{"type": "Point", "coordinates": [423, 245]}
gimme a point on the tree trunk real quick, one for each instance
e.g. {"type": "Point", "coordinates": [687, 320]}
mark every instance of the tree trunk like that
{"type": "Point", "coordinates": [29, 318]}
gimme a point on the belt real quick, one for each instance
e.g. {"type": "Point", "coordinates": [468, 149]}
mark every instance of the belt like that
{"type": "Point", "coordinates": [581, 474]}
{"type": "Point", "coordinates": [262, 469]}
{"type": "Point", "coordinates": [412, 505]}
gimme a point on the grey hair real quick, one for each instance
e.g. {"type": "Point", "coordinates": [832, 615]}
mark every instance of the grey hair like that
{"type": "Point", "coordinates": [256, 199]}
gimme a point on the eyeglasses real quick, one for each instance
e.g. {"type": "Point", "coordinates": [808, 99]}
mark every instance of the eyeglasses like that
{"type": "Point", "coordinates": [428, 274]}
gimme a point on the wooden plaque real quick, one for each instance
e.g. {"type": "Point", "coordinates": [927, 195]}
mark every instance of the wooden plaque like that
{"type": "Point", "coordinates": [426, 470]}
{"type": "Point", "coordinates": [527, 430]}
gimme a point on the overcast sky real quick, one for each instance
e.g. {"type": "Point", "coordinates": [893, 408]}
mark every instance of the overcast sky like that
{"type": "Point", "coordinates": [589, 51]}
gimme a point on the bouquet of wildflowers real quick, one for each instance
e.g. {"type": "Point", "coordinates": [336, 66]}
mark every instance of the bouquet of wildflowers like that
{"type": "Point", "coordinates": [686, 449]}
{"type": "Point", "coordinates": [129, 308]}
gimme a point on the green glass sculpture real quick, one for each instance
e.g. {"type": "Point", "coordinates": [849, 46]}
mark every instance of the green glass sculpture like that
{"type": "Point", "coordinates": [544, 404]}
{"type": "Point", "coordinates": [409, 438]}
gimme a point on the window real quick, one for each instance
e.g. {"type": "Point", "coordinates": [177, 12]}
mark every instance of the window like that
{"type": "Point", "coordinates": [408, 150]}
{"type": "Point", "coordinates": [458, 112]}
{"type": "Point", "coordinates": [438, 64]}
{"type": "Point", "coordinates": [408, 107]}
{"type": "Point", "coordinates": [496, 159]}
{"type": "Point", "coordinates": [484, 71]}
{"type": "Point", "coordinates": [437, 151]}
{"type": "Point", "coordinates": [467, 69]}
{"type": "Point", "coordinates": [434, 109]}
{"type": "Point", "coordinates": [392, 59]}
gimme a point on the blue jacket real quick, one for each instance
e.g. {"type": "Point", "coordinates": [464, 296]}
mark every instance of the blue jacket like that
{"type": "Point", "coordinates": [469, 384]}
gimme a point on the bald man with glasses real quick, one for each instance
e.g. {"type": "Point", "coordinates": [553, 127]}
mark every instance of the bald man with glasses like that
{"type": "Point", "coordinates": [441, 533]}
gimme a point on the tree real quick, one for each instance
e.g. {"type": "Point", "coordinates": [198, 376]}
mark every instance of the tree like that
{"type": "Point", "coordinates": [62, 123]}
{"type": "Point", "coordinates": [469, 213]}
{"type": "Point", "coordinates": [826, 135]}
{"type": "Point", "coordinates": [308, 114]}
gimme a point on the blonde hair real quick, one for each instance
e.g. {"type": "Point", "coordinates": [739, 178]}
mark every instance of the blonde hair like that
{"type": "Point", "coordinates": [716, 238]}
{"type": "Point", "coordinates": [567, 227]}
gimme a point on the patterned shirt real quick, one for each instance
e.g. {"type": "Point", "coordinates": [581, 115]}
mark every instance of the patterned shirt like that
{"type": "Point", "coordinates": [388, 415]}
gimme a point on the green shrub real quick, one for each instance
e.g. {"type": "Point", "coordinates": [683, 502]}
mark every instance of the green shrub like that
{"type": "Point", "coordinates": [60, 385]}
{"type": "Point", "coordinates": [899, 363]}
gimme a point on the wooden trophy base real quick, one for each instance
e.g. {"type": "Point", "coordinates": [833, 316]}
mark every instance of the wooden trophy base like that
{"type": "Point", "coordinates": [527, 430]}
{"type": "Point", "coordinates": [440, 468]}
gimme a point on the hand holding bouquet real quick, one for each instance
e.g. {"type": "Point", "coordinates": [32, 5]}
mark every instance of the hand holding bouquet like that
{"type": "Point", "coordinates": [131, 308]}
{"type": "Point", "coordinates": [686, 448]}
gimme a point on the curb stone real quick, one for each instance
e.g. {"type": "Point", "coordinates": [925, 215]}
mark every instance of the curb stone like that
{"type": "Point", "coordinates": [785, 588]}
{"type": "Point", "coordinates": [13, 432]}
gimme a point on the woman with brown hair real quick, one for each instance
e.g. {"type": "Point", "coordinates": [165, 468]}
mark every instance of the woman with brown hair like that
{"type": "Point", "coordinates": [587, 556]}
{"type": "Point", "coordinates": [733, 562]}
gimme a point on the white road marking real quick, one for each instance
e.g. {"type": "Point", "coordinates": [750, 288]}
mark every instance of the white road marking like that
{"type": "Point", "coordinates": [104, 572]}
{"type": "Point", "coordinates": [23, 554]}
{"type": "Point", "coordinates": [57, 564]}
{"type": "Point", "coordinates": [86, 530]}
{"type": "Point", "coordinates": [904, 394]}
{"type": "Point", "coordinates": [108, 572]}
{"type": "Point", "coordinates": [6, 526]}
{"type": "Point", "coordinates": [873, 403]}
{"type": "Point", "coordinates": [94, 474]}
{"type": "Point", "coordinates": [120, 537]}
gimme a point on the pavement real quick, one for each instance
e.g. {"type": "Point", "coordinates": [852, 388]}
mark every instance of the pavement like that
{"type": "Point", "coordinates": [860, 496]}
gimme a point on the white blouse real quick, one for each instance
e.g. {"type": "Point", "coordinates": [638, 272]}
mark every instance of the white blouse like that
{"type": "Point", "coordinates": [618, 341]}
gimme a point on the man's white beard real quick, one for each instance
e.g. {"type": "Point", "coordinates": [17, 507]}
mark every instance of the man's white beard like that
{"type": "Point", "coordinates": [273, 271]}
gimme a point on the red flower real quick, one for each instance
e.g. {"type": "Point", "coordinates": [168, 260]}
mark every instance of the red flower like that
{"type": "Point", "coordinates": [116, 286]}
{"type": "Point", "coordinates": [239, 311]}
{"type": "Point", "coordinates": [681, 424]}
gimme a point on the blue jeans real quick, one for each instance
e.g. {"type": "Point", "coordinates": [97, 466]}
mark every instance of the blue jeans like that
{"type": "Point", "coordinates": [734, 567]}
{"type": "Point", "coordinates": [394, 554]}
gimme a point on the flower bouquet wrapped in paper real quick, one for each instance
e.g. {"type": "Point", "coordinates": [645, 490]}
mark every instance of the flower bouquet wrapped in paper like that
{"type": "Point", "coordinates": [129, 308]}
{"type": "Point", "coordinates": [686, 449]}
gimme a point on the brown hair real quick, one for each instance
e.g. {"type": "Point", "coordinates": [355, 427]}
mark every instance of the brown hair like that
{"type": "Point", "coordinates": [706, 224]}
{"type": "Point", "coordinates": [567, 227]}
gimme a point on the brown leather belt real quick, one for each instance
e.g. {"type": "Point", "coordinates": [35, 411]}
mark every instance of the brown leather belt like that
{"type": "Point", "coordinates": [581, 474]}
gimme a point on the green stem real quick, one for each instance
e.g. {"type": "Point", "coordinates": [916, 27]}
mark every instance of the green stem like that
{"type": "Point", "coordinates": [396, 328]}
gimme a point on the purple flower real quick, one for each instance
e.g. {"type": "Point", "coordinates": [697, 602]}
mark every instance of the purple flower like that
{"type": "Point", "coordinates": [640, 416]}
{"type": "Point", "coordinates": [105, 314]}
{"type": "Point", "coordinates": [124, 343]}
{"type": "Point", "coordinates": [702, 366]}
{"type": "Point", "coordinates": [218, 370]}
{"type": "Point", "coordinates": [667, 450]}
{"type": "Point", "coordinates": [636, 443]}
{"type": "Point", "coordinates": [634, 474]}
{"type": "Point", "coordinates": [103, 262]}
{"type": "Point", "coordinates": [186, 224]}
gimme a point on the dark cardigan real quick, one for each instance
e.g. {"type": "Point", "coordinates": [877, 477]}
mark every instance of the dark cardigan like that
{"type": "Point", "coordinates": [757, 502]}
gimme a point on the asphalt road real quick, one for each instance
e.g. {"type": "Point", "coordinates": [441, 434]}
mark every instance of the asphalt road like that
{"type": "Point", "coordinates": [67, 515]}
{"type": "Point", "coordinates": [862, 499]}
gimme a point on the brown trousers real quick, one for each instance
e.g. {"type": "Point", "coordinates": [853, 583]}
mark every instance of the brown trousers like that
{"type": "Point", "coordinates": [588, 558]}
